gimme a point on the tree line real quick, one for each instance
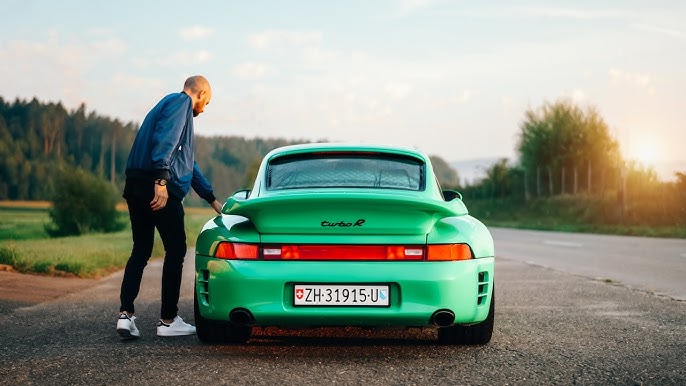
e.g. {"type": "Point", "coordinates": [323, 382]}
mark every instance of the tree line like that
{"type": "Point", "coordinates": [39, 140]}
{"type": "Point", "coordinates": [567, 152]}
{"type": "Point", "coordinates": [563, 151]}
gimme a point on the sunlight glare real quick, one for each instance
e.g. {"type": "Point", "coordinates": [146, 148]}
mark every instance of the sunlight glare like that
{"type": "Point", "coordinates": [646, 152]}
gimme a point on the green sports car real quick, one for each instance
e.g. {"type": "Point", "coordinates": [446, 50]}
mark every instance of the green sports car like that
{"type": "Point", "coordinates": [345, 235]}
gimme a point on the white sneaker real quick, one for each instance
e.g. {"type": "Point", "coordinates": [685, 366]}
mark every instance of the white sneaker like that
{"type": "Point", "coordinates": [177, 328]}
{"type": "Point", "coordinates": [126, 327]}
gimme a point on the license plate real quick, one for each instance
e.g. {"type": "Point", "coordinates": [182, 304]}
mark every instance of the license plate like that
{"type": "Point", "coordinates": [341, 295]}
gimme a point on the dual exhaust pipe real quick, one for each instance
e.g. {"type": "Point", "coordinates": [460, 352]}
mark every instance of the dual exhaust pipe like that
{"type": "Point", "coordinates": [243, 317]}
{"type": "Point", "coordinates": [443, 318]}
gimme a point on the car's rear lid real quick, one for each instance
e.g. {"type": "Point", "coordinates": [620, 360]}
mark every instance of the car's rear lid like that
{"type": "Point", "coordinates": [344, 213]}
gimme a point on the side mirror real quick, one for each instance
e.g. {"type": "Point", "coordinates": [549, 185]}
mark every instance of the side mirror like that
{"type": "Point", "coordinates": [449, 195]}
{"type": "Point", "coordinates": [235, 198]}
{"type": "Point", "coordinates": [242, 194]}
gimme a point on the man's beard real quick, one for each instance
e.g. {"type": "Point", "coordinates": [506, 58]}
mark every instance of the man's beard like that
{"type": "Point", "coordinates": [195, 113]}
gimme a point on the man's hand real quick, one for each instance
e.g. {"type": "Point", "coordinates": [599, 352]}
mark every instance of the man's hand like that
{"type": "Point", "coordinates": [161, 197]}
{"type": "Point", "coordinates": [216, 206]}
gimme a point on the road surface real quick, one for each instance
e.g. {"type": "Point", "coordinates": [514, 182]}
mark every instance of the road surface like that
{"type": "Point", "coordinates": [655, 265]}
{"type": "Point", "coordinates": [552, 326]}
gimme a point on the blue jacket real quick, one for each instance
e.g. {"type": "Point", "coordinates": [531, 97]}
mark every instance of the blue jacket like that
{"type": "Point", "coordinates": [163, 148]}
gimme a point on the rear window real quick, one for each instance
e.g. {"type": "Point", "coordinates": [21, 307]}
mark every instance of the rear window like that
{"type": "Point", "coordinates": [346, 170]}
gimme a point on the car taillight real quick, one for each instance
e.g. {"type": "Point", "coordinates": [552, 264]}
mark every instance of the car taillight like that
{"type": "Point", "coordinates": [444, 252]}
{"type": "Point", "coordinates": [448, 252]}
{"type": "Point", "coordinates": [342, 252]}
{"type": "Point", "coordinates": [233, 251]}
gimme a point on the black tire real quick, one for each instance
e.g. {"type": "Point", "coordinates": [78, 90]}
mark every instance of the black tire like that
{"type": "Point", "coordinates": [475, 334]}
{"type": "Point", "coordinates": [213, 331]}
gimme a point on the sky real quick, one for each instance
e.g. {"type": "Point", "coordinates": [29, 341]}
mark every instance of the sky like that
{"type": "Point", "coordinates": [453, 78]}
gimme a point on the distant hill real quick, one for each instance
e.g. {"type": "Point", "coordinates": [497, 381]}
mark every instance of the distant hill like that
{"type": "Point", "coordinates": [38, 139]}
{"type": "Point", "coordinates": [471, 171]}
{"type": "Point", "coordinates": [666, 170]}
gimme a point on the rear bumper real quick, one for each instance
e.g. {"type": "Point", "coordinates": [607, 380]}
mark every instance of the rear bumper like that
{"type": "Point", "coordinates": [417, 290]}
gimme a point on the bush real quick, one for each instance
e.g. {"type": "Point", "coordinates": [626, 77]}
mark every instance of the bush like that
{"type": "Point", "coordinates": [82, 203]}
{"type": "Point", "coordinates": [8, 255]}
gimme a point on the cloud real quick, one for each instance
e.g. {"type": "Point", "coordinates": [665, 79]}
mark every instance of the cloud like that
{"type": "Point", "coordinates": [408, 7]}
{"type": "Point", "coordinates": [642, 81]}
{"type": "Point", "coordinates": [318, 56]}
{"type": "Point", "coordinates": [465, 97]}
{"type": "Point", "coordinates": [664, 31]}
{"type": "Point", "coordinates": [398, 91]}
{"type": "Point", "coordinates": [570, 13]}
{"type": "Point", "coordinates": [578, 95]}
{"type": "Point", "coordinates": [181, 58]}
{"type": "Point", "coordinates": [203, 56]}
{"type": "Point", "coordinates": [35, 59]}
{"type": "Point", "coordinates": [53, 70]}
{"type": "Point", "coordinates": [253, 70]}
{"type": "Point", "coordinates": [195, 33]}
{"type": "Point", "coordinates": [136, 82]}
{"type": "Point", "coordinates": [277, 38]}
{"type": "Point", "coordinates": [111, 46]}
{"type": "Point", "coordinates": [509, 108]}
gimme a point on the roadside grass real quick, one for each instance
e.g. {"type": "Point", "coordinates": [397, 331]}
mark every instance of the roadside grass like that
{"type": "Point", "coordinates": [622, 230]}
{"type": "Point", "coordinates": [27, 248]}
{"type": "Point", "coordinates": [23, 223]}
{"type": "Point", "coordinates": [569, 214]}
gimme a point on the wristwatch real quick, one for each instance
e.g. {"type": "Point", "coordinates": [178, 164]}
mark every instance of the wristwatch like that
{"type": "Point", "coordinates": [161, 182]}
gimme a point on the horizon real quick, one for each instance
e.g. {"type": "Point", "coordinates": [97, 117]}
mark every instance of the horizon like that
{"type": "Point", "coordinates": [453, 79]}
{"type": "Point", "coordinates": [472, 170]}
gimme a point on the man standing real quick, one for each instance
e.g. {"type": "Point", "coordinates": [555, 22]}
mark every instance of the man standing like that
{"type": "Point", "coordinates": [159, 173]}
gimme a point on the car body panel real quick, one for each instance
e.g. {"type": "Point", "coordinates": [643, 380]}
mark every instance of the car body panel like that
{"type": "Point", "coordinates": [266, 289]}
{"type": "Point", "coordinates": [412, 215]}
{"type": "Point", "coordinates": [340, 212]}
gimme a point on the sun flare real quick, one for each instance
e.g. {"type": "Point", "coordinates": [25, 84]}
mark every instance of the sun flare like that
{"type": "Point", "coordinates": [646, 152]}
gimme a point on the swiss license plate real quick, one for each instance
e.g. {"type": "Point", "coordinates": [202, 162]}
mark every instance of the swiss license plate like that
{"type": "Point", "coordinates": [366, 295]}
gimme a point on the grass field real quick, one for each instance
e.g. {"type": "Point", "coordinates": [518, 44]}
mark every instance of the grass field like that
{"type": "Point", "coordinates": [22, 223]}
{"type": "Point", "coordinates": [568, 214]}
{"type": "Point", "coordinates": [25, 245]}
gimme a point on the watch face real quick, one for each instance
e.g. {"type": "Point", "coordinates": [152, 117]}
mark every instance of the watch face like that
{"type": "Point", "coordinates": [161, 182]}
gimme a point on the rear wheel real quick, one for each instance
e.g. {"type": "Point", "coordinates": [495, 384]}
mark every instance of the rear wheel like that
{"type": "Point", "coordinates": [474, 334]}
{"type": "Point", "coordinates": [212, 331]}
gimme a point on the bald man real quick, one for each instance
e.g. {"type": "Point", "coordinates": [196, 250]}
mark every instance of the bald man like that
{"type": "Point", "coordinates": [159, 173]}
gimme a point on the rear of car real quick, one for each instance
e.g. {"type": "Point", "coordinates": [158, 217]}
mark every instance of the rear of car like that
{"type": "Point", "coordinates": [340, 235]}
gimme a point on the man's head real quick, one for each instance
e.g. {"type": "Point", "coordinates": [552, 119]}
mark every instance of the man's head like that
{"type": "Point", "coordinates": [198, 88]}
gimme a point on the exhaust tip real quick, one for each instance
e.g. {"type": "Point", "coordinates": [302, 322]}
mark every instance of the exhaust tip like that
{"type": "Point", "coordinates": [241, 317]}
{"type": "Point", "coordinates": [443, 318]}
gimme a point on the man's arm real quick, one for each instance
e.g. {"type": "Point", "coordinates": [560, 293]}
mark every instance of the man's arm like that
{"type": "Point", "coordinates": [202, 186]}
{"type": "Point", "coordinates": [161, 195]}
{"type": "Point", "coordinates": [167, 133]}
{"type": "Point", "coordinates": [216, 206]}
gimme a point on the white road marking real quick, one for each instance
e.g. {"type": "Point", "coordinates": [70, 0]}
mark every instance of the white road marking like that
{"type": "Point", "coordinates": [567, 244]}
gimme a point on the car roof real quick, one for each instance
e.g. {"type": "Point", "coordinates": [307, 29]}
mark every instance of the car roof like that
{"type": "Point", "coordinates": [345, 146]}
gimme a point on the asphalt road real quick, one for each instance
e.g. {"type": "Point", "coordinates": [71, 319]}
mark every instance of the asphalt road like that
{"type": "Point", "coordinates": [655, 265]}
{"type": "Point", "coordinates": [552, 327]}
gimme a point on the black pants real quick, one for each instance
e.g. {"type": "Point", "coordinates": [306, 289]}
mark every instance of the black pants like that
{"type": "Point", "coordinates": [169, 222]}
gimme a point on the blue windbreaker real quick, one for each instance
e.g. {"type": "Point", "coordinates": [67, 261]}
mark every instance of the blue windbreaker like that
{"type": "Point", "coordinates": [163, 148]}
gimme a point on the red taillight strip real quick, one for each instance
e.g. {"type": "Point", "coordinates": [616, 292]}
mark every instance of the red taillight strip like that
{"type": "Point", "coordinates": [344, 252]}
{"type": "Point", "coordinates": [443, 252]}
{"type": "Point", "coordinates": [449, 252]}
{"type": "Point", "coordinates": [236, 251]}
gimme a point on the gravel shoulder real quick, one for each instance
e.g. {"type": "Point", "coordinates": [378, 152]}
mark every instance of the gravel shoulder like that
{"type": "Point", "coordinates": [23, 290]}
